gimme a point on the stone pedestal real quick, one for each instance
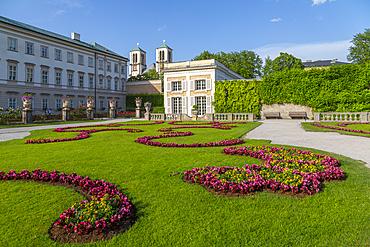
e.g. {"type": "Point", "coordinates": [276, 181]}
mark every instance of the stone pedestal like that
{"type": "Point", "coordinates": [112, 113]}
{"type": "Point", "coordinates": [27, 116]}
{"type": "Point", "coordinates": [194, 114]}
{"type": "Point", "coordinates": [138, 113]}
{"type": "Point", "coordinates": [90, 114]}
{"type": "Point", "coordinates": [66, 114]}
{"type": "Point", "coordinates": [316, 117]}
{"type": "Point", "coordinates": [147, 116]}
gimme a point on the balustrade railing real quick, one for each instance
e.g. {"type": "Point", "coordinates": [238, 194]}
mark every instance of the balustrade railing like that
{"type": "Point", "coordinates": [360, 117]}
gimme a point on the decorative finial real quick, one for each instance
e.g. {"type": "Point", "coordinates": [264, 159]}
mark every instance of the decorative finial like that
{"type": "Point", "coordinates": [164, 41]}
{"type": "Point", "coordinates": [137, 44]}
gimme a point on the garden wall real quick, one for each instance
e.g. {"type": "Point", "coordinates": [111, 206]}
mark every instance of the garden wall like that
{"type": "Point", "coordinates": [285, 108]}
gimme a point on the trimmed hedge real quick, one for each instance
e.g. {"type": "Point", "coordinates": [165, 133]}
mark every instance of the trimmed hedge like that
{"type": "Point", "coordinates": [155, 99]}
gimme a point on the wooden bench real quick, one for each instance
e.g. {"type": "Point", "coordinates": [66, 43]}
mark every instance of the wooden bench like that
{"type": "Point", "coordinates": [298, 114]}
{"type": "Point", "coordinates": [272, 114]}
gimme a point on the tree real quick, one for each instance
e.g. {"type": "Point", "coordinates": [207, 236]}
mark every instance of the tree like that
{"type": "Point", "coordinates": [360, 51]}
{"type": "Point", "coordinates": [152, 74]}
{"type": "Point", "coordinates": [286, 61]}
{"type": "Point", "coordinates": [246, 63]}
{"type": "Point", "coordinates": [267, 68]}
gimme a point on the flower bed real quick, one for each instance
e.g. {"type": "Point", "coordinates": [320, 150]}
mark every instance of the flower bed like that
{"type": "Point", "coordinates": [107, 207]}
{"type": "Point", "coordinates": [285, 171]}
{"type": "Point", "coordinates": [343, 129]}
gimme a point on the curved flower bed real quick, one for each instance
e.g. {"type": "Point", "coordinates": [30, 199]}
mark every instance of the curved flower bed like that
{"type": "Point", "coordinates": [85, 133]}
{"type": "Point", "coordinates": [343, 129]}
{"type": "Point", "coordinates": [283, 171]}
{"type": "Point", "coordinates": [81, 219]}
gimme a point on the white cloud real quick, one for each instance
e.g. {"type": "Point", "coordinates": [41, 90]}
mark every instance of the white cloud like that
{"type": "Point", "coordinates": [276, 20]}
{"type": "Point", "coordinates": [68, 3]}
{"type": "Point", "coordinates": [58, 12]}
{"type": "Point", "coordinates": [309, 51]}
{"type": "Point", "coordinates": [318, 2]}
{"type": "Point", "coordinates": [162, 28]}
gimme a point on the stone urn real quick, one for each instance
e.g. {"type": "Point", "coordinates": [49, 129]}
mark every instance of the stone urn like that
{"type": "Point", "coordinates": [194, 112]}
{"type": "Point", "coordinates": [90, 103]}
{"type": "Point", "coordinates": [147, 106]}
{"type": "Point", "coordinates": [112, 104]}
{"type": "Point", "coordinates": [66, 103]}
{"type": "Point", "coordinates": [27, 102]}
{"type": "Point", "coordinates": [138, 103]}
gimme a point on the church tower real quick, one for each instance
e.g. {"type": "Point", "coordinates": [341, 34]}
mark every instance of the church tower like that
{"type": "Point", "coordinates": [137, 61]}
{"type": "Point", "coordinates": [163, 55]}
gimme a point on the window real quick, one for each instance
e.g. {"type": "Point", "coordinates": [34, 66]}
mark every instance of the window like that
{"type": "Point", "coordinates": [109, 66]}
{"type": "Point", "coordinates": [123, 85]}
{"type": "Point", "coordinates": [29, 48]}
{"type": "Point", "coordinates": [161, 55]}
{"type": "Point", "coordinates": [70, 79]}
{"type": "Point", "coordinates": [44, 51]}
{"type": "Point", "coordinates": [134, 58]}
{"type": "Point", "coordinates": [101, 105]}
{"type": "Point", "coordinates": [109, 83]}
{"type": "Point", "coordinates": [200, 85]}
{"type": "Point", "coordinates": [69, 57]}
{"type": "Point", "coordinates": [81, 103]}
{"type": "Point", "coordinates": [44, 104]}
{"type": "Point", "coordinates": [115, 68]}
{"type": "Point", "coordinates": [91, 62]}
{"type": "Point", "coordinates": [44, 76]}
{"type": "Point", "coordinates": [176, 86]}
{"type": "Point", "coordinates": [58, 78]}
{"type": "Point", "coordinates": [101, 83]}
{"type": "Point", "coordinates": [12, 72]}
{"type": "Point", "coordinates": [123, 69]}
{"type": "Point", "coordinates": [116, 104]}
{"type": "Point", "coordinates": [58, 55]}
{"type": "Point", "coordinates": [81, 80]}
{"type": "Point", "coordinates": [58, 104]}
{"type": "Point", "coordinates": [29, 74]}
{"type": "Point", "coordinates": [91, 82]}
{"type": "Point", "coordinates": [80, 60]}
{"type": "Point", "coordinates": [177, 105]}
{"type": "Point", "coordinates": [12, 103]}
{"type": "Point", "coordinates": [100, 64]}
{"type": "Point", "coordinates": [116, 85]}
{"type": "Point", "coordinates": [201, 103]}
{"type": "Point", "coordinates": [12, 44]}
{"type": "Point", "coordinates": [72, 104]}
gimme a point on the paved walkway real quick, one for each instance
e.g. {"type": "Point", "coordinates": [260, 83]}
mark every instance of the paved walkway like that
{"type": "Point", "coordinates": [21, 132]}
{"type": "Point", "coordinates": [290, 132]}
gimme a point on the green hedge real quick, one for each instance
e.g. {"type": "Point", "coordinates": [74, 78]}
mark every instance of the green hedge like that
{"type": "Point", "coordinates": [155, 99]}
{"type": "Point", "coordinates": [242, 97]}
{"type": "Point", "coordinates": [337, 89]}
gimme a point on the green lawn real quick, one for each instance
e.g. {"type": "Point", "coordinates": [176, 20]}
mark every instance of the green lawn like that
{"type": "Point", "coordinates": [45, 123]}
{"type": "Point", "coordinates": [364, 127]}
{"type": "Point", "coordinates": [170, 211]}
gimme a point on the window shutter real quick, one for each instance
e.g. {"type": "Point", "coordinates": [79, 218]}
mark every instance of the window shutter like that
{"type": "Point", "coordinates": [208, 104]}
{"type": "Point", "coordinates": [209, 84]}
{"type": "Point", "coordinates": [192, 101]}
{"type": "Point", "coordinates": [191, 86]}
{"type": "Point", "coordinates": [183, 85]}
{"type": "Point", "coordinates": [168, 86]}
{"type": "Point", "coordinates": [184, 105]}
{"type": "Point", "coordinates": [168, 110]}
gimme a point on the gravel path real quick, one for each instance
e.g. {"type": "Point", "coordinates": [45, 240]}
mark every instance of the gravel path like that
{"type": "Point", "coordinates": [290, 132]}
{"type": "Point", "coordinates": [21, 132]}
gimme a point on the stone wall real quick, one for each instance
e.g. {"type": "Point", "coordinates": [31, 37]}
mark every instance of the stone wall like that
{"type": "Point", "coordinates": [284, 110]}
{"type": "Point", "coordinates": [144, 87]}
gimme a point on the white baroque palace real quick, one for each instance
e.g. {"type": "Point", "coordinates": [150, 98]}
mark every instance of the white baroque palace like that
{"type": "Point", "coordinates": [51, 66]}
{"type": "Point", "coordinates": [193, 83]}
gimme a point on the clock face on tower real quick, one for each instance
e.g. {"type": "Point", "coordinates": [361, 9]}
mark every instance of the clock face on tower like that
{"type": "Point", "coordinates": [134, 68]}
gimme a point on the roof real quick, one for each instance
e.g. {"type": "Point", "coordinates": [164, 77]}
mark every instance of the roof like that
{"type": "Point", "coordinates": [138, 49]}
{"type": "Point", "coordinates": [164, 46]}
{"type": "Point", "coordinates": [94, 45]}
{"type": "Point", "coordinates": [322, 63]}
{"type": "Point", "coordinates": [152, 66]}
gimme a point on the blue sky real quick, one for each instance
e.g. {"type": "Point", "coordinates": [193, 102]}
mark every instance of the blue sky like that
{"type": "Point", "coordinates": [308, 29]}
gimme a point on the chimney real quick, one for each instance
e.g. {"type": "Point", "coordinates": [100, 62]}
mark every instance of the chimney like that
{"type": "Point", "coordinates": [75, 36]}
{"type": "Point", "coordinates": [308, 61]}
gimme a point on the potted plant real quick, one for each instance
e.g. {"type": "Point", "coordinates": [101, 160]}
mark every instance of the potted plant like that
{"type": "Point", "coordinates": [138, 102]}
{"type": "Point", "coordinates": [90, 102]}
{"type": "Point", "coordinates": [194, 110]}
{"type": "Point", "coordinates": [112, 103]}
{"type": "Point", "coordinates": [27, 100]}
{"type": "Point", "coordinates": [66, 102]}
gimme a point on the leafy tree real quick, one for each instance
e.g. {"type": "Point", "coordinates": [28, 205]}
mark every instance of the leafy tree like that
{"type": "Point", "coordinates": [267, 68]}
{"type": "Point", "coordinates": [152, 74]}
{"type": "Point", "coordinates": [360, 51]}
{"type": "Point", "coordinates": [246, 63]}
{"type": "Point", "coordinates": [286, 61]}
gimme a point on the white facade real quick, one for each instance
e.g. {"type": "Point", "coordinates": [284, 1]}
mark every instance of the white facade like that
{"type": "Point", "coordinates": [163, 55]}
{"type": "Point", "coordinates": [51, 66]}
{"type": "Point", "coordinates": [193, 83]}
{"type": "Point", "coordinates": [137, 61]}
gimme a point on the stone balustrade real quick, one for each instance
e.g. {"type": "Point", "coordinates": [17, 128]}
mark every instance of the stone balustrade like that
{"type": "Point", "coordinates": [360, 117]}
{"type": "Point", "coordinates": [207, 117]}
